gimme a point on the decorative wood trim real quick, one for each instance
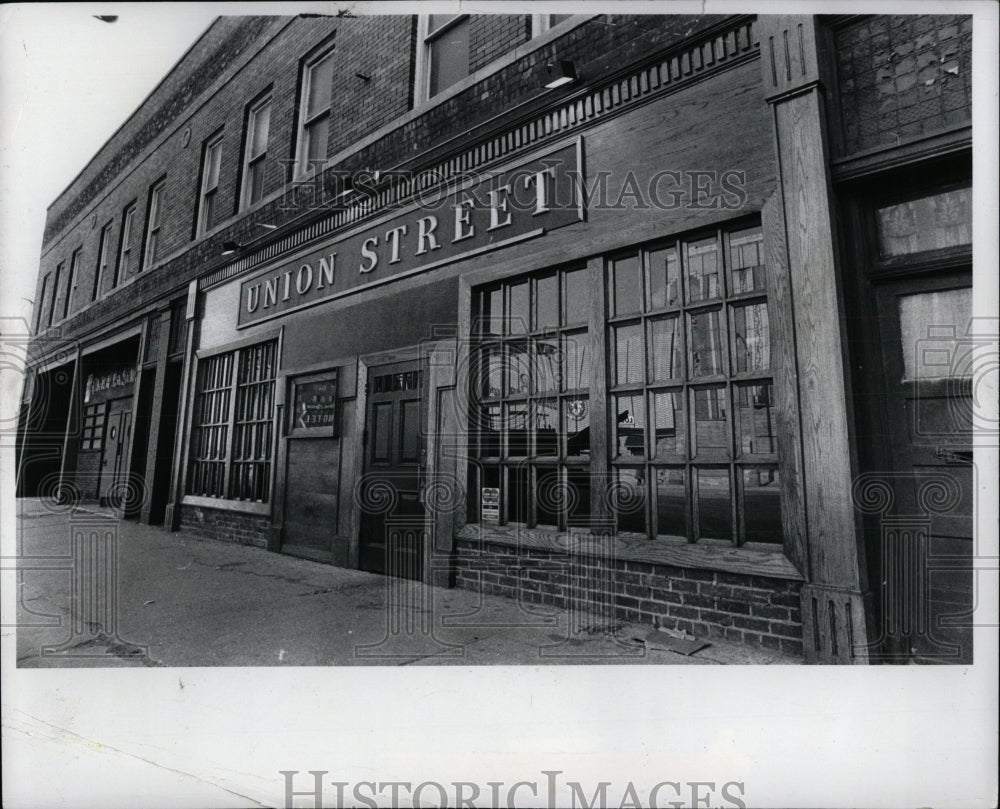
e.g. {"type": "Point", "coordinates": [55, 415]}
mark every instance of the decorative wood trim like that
{"type": "Point", "coordinates": [217, 503]}
{"type": "Point", "coordinates": [883, 158]}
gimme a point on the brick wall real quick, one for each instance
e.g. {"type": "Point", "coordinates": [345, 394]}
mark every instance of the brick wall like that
{"type": "Point", "coordinates": [901, 77]}
{"type": "Point", "coordinates": [229, 526]}
{"type": "Point", "coordinates": [598, 48]}
{"type": "Point", "coordinates": [493, 35]}
{"type": "Point", "coordinates": [746, 609]}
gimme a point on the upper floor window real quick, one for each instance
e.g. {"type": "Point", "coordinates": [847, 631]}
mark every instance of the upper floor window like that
{"type": "Point", "coordinates": [154, 218]}
{"type": "Point", "coordinates": [53, 295]}
{"type": "Point", "coordinates": [443, 54]}
{"type": "Point", "coordinates": [314, 111]}
{"type": "Point", "coordinates": [210, 169]}
{"type": "Point", "coordinates": [540, 23]}
{"type": "Point", "coordinates": [103, 258]}
{"type": "Point", "coordinates": [74, 272]}
{"type": "Point", "coordinates": [255, 151]}
{"type": "Point", "coordinates": [125, 250]}
{"type": "Point", "coordinates": [39, 312]}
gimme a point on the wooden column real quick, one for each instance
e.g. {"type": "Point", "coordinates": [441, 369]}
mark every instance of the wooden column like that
{"type": "Point", "coordinates": [156, 412]}
{"type": "Point", "coordinates": [172, 518]}
{"type": "Point", "coordinates": [797, 83]}
{"type": "Point", "coordinates": [74, 421]}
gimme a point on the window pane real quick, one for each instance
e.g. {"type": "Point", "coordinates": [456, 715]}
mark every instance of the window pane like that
{"type": "Point", "coordinates": [518, 367]}
{"type": "Point", "coordinates": [752, 336]}
{"type": "Point", "coordinates": [491, 369]}
{"type": "Point", "coordinates": [664, 278]}
{"type": "Point", "coordinates": [578, 496]}
{"type": "Point", "coordinates": [761, 505]}
{"type": "Point", "coordinates": [705, 344]}
{"type": "Point", "coordinates": [628, 354]}
{"type": "Point", "coordinates": [929, 223]}
{"type": "Point", "coordinates": [755, 417]}
{"type": "Point", "coordinates": [703, 271]}
{"type": "Point", "coordinates": [710, 421]}
{"type": "Point", "coordinates": [671, 503]}
{"type": "Point", "coordinates": [517, 429]}
{"type": "Point", "coordinates": [630, 499]}
{"type": "Point", "coordinates": [746, 261]}
{"type": "Point", "coordinates": [714, 514]}
{"type": "Point", "coordinates": [320, 86]}
{"type": "Point", "coordinates": [489, 430]}
{"type": "Point", "coordinates": [576, 424]}
{"type": "Point", "coordinates": [669, 426]}
{"type": "Point", "coordinates": [255, 181]}
{"type": "Point", "coordinates": [576, 356]}
{"type": "Point", "coordinates": [449, 56]}
{"type": "Point", "coordinates": [665, 349]}
{"type": "Point", "coordinates": [316, 138]}
{"type": "Point", "coordinates": [517, 308]}
{"type": "Point", "coordinates": [546, 365]}
{"type": "Point", "coordinates": [546, 427]}
{"type": "Point", "coordinates": [576, 297]}
{"type": "Point", "coordinates": [931, 326]}
{"type": "Point", "coordinates": [259, 129]}
{"type": "Point", "coordinates": [213, 163]}
{"type": "Point", "coordinates": [492, 317]}
{"type": "Point", "coordinates": [550, 496]}
{"type": "Point", "coordinates": [517, 494]}
{"type": "Point", "coordinates": [630, 426]}
{"type": "Point", "coordinates": [547, 302]}
{"type": "Point", "coordinates": [627, 285]}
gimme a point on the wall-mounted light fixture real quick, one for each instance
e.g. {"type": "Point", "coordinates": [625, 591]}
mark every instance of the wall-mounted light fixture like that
{"type": "Point", "coordinates": [560, 73]}
{"type": "Point", "coordinates": [362, 76]}
{"type": "Point", "coordinates": [266, 225]}
{"type": "Point", "coordinates": [228, 248]}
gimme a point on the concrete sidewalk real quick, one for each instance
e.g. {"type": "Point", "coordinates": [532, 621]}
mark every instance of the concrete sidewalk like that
{"type": "Point", "coordinates": [184, 600]}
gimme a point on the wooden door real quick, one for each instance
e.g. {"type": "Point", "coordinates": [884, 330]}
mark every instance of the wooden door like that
{"type": "Point", "coordinates": [926, 525]}
{"type": "Point", "coordinates": [115, 459]}
{"type": "Point", "coordinates": [391, 496]}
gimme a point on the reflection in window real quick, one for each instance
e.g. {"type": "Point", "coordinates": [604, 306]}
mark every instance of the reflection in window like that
{"type": "Point", "coordinates": [531, 391]}
{"type": "Point", "coordinates": [932, 326]}
{"type": "Point", "coordinates": [630, 499]}
{"type": "Point", "coordinates": [705, 389]}
{"type": "Point", "coordinates": [761, 504]}
{"type": "Point", "coordinates": [928, 223]}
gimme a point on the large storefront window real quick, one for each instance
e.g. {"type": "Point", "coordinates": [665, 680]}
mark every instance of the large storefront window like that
{"type": "Point", "coordinates": [692, 441]}
{"type": "Point", "coordinates": [232, 437]}
{"type": "Point", "coordinates": [532, 381]}
{"type": "Point", "coordinates": [691, 450]}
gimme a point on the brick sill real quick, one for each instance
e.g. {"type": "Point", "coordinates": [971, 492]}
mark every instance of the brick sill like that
{"type": "Point", "coordinates": [218, 504]}
{"type": "Point", "coordinates": [754, 560]}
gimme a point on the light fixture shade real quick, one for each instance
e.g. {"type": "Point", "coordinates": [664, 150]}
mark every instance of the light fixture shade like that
{"type": "Point", "coordinates": [228, 248]}
{"type": "Point", "coordinates": [560, 73]}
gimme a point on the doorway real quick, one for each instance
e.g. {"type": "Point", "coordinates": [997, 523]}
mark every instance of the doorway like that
{"type": "Point", "coordinates": [391, 498]}
{"type": "Point", "coordinates": [115, 459]}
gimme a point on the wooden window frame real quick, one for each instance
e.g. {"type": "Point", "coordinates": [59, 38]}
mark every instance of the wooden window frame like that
{"type": "Point", "coordinates": [211, 163]}
{"type": "Point", "coordinates": [94, 421]}
{"type": "Point", "coordinates": [250, 161]}
{"type": "Point", "coordinates": [425, 42]}
{"type": "Point", "coordinates": [225, 401]}
{"type": "Point", "coordinates": [154, 224]}
{"type": "Point", "coordinates": [72, 279]}
{"type": "Point", "coordinates": [125, 244]}
{"type": "Point", "coordinates": [103, 247]}
{"type": "Point", "coordinates": [39, 313]}
{"type": "Point", "coordinates": [303, 166]}
{"type": "Point", "coordinates": [54, 295]}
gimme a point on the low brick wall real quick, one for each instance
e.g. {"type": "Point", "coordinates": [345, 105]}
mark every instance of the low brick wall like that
{"type": "Point", "coordinates": [229, 526]}
{"type": "Point", "coordinates": [747, 609]}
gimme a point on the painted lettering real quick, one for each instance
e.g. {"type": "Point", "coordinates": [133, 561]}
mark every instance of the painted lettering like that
{"type": "Point", "coordinates": [541, 188]}
{"type": "Point", "coordinates": [304, 280]}
{"type": "Point", "coordinates": [326, 271]}
{"type": "Point", "coordinates": [368, 253]}
{"type": "Point", "coordinates": [253, 298]}
{"type": "Point", "coordinates": [271, 292]}
{"type": "Point", "coordinates": [426, 226]}
{"type": "Point", "coordinates": [392, 236]}
{"type": "Point", "coordinates": [498, 204]}
{"type": "Point", "coordinates": [463, 227]}
{"type": "Point", "coordinates": [288, 286]}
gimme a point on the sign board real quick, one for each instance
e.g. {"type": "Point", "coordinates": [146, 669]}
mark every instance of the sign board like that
{"type": "Point", "coordinates": [481, 215]}
{"type": "Point", "coordinates": [314, 405]}
{"type": "Point", "coordinates": [109, 384]}
{"type": "Point", "coordinates": [489, 504]}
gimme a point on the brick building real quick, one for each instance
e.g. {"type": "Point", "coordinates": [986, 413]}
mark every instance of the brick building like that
{"type": "Point", "coordinates": [661, 316]}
